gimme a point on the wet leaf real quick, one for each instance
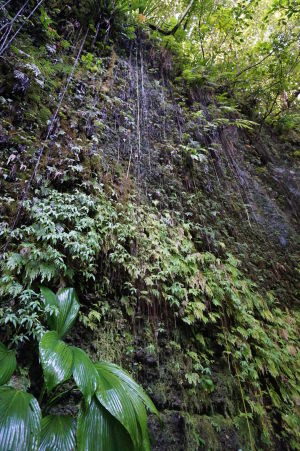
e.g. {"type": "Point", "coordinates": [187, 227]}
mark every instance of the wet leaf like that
{"type": "Point", "coordinates": [68, 306]}
{"type": "Point", "coordinates": [56, 359]}
{"type": "Point", "coordinates": [84, 373]}
{"type": "Point", "coordinates": [20, 417]}
{"type": "Point", "coordinates": [98, 430]}
{"type": "Point", "coordinates": [58, 433]}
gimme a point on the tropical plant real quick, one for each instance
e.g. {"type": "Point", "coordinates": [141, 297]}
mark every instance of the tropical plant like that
{"type": "Point", "coordinates": [248, 49]}
{"type": "Point", "coordinates": [112, 413]}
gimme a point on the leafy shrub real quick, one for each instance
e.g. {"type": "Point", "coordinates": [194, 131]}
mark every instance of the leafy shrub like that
{"type": "Point", "coordinates": [67, 234]}
{"type": "Point", "coordinates": [152, 257]}
{"type": "Point", "coordinates": [112, 413]}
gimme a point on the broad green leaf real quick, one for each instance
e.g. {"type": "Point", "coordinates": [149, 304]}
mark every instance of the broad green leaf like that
{"type": "Point", "coordinates": [20, 418]}
{"type": "Point", "coordinates": [98, 430]}
{"type": "Point", "coordinates": [130, 383]}
{"type": "Point", "coordinates": [56, 359]}
{"type": "Point", "coordinates": [58, 433]}
{"type": "Point", "coordinates": [121, 395]}
{"type": "Point", "coordinates": [69, 306]}
{"type": "Point", "coordinates": [8, 364]}
{"type": "Point", "coordinates": [84, 373]}
{"type": "Point", "coordinates": [66, 301]}
{"type": "Point", "coordinates": [141, 415]}
{"type": "Point", "coordinates": [113, 396]}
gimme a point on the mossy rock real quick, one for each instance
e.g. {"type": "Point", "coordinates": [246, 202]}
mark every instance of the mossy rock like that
{"type": "Point", "coordinates": [169, 435]}
{"type": "Point", "coordinates": [212, 433]}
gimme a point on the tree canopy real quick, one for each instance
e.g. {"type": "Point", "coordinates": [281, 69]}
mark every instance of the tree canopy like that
{"type": "Point", "coordinates": [245, 48]}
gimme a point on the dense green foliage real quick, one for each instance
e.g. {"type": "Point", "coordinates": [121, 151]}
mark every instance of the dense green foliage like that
{"type": "Point", "coordinates": [212, 296]}
{"type": "Point", "coordinates": [112, 402]}
{"type": "Point", "coordinates": [127, 132]}
{"type": "Point", "coordinates": [248, 49]}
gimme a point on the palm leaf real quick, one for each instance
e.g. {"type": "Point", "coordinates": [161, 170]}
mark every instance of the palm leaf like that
{"type": "Point", "coordinates": [66, 301]}
{"type": "Point", "coordinates": [126, 401]}
{"type": "Point", "coordinates": [84, 373]}
{"type": "Point", "coordinates": [113, 396]}
{"type": "Point", "coordinates": [98, 430]}
{"type": "Point", "coordinates": [20, 418]}
{"type": "Point", "coordinates": [58, 433]}
{"type": "Point", "coordinates": [130, 383]}
{"type": "Point", "coordinates": [69, 306]}
{"type": "Point", "coordinates": [56, 359]}
{"type": "Point", "coordinates": [8, 364]}
{"type": "Point", "coordinates": [141, 415]}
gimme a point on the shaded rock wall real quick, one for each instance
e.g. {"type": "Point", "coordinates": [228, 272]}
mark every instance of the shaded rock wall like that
{"type": "Point", "coordinates": [126, 123]}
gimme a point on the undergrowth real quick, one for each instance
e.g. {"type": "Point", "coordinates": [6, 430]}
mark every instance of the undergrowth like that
{"type": "Point", "coordinates": [147, 259]}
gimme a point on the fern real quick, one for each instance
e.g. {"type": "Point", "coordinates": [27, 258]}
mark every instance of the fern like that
{"type": "Point", "coordinates": [245, 123]}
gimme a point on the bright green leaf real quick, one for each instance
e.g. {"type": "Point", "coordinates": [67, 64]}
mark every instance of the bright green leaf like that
{"type": "Point", "coordinates": [69, 306]}
{"type": "Point", "coordinates": [113, 396]}
{"type": "Point", "coordinates": [122, 396]}
{"type": "Point", "coordinates": [51, 300]}
{"type": "Point", "coordinates": [66, 301]}
{"type": "Point", "coordinates": [131, 384]}
{"type": "Point", "coordinates": [98, 430]}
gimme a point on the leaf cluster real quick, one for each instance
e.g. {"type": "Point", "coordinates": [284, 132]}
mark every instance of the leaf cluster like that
{"type": "Point", "coordinates": [112, 413]}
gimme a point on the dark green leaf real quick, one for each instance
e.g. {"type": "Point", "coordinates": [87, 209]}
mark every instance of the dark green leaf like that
{"type": "Point", "coordinates": [113, 396]}
{"type": "Point", "coordinates": [84, 373]}
{"type": "Point", "coordinates": [58, 433]}
{"type": "Point", "coordinates": [127, 379]}
{"type": "Point", "coordinates": [8, 364]}
{"type": "Point", "coordinates": [69, 306]}
{"type": "Point", "coordinates": [20, 418]}
{"type": "Point", "coordinates": [56, 359]}
{"type": "Point", "coordinates": [66, 301]}
{"type": "Point", "coordinates": [98, 430]}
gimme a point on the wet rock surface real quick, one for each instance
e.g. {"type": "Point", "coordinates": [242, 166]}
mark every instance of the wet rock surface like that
{"type": "Point", "coordinates": [127, 123]}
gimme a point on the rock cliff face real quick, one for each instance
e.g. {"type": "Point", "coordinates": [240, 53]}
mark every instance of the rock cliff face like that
{"type": "Point", "coordinates": [175, 220]}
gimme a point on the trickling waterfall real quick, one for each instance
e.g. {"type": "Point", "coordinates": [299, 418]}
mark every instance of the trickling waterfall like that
{"type": "Point", "coordinates": [150, 130]}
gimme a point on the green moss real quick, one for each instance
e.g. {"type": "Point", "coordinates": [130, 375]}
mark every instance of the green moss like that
{"type": "Point", "coordinates": [34, 96]}
{"type": "Point", "coordinates": [47, 68]}
{"type": "Point", "coordinates": [225, 395]}
{"type": "Point", "coordinates": [160, 389]}
{"type": "Point", "coordinates": [110, 343]}
{"type": "Point", "coordinates": [296, 154]}
{"type": "Point", "coordinates": [261, 170]}
{"type": "Point", "coordinates": [44, 115]}
{"type": "Point", "coordinates": [215, 433]}
{"type": "Point", "coordinates": [199, 434]}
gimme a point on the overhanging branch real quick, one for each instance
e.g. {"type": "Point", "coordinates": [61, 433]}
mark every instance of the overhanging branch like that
{"type": "Point", "coordinates": [175, 28]}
